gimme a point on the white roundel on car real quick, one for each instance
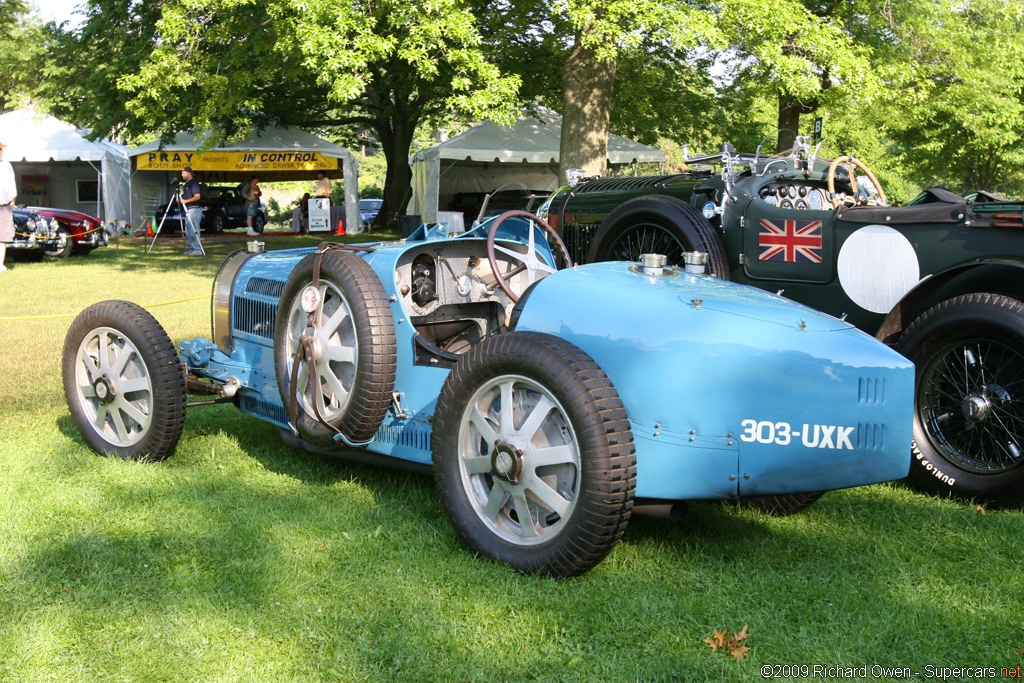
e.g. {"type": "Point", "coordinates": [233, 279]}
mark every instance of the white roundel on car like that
{"type": "Point", "coordinates": [877, 267]}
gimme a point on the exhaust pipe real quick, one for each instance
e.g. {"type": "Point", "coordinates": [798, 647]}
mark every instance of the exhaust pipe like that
{"type": "Point", "coordinates": [672, 510]}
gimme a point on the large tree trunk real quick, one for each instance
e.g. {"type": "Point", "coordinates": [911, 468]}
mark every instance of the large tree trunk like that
{"type": "Point", "coordinates": [788, 122]}
{"type": "Point", "coordinates": [790, 109]}
{"type": "Point", "coordinates": [395, 138]}
{"type": "Point", "coordinates": [588, 85]}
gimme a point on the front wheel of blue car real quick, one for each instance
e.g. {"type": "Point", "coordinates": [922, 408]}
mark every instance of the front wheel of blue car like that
{"type": "Point", "coordinates": [533, 455]}
{"type": "Point", "coordinates": [969, 404]}
{"type": "Point", "coordinates": [123, 382]}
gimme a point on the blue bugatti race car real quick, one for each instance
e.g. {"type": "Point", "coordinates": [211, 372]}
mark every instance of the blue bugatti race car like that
{"type": "Point", "coordinates": [550, 404]}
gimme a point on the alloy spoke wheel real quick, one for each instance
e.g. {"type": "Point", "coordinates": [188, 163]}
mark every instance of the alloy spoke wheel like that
{"type": "Point", "coordinates": [519, 460]}
{"type": "Point", "coordinates": [336, 349]}
{"type": "Point", "coordinates": [114, 387]}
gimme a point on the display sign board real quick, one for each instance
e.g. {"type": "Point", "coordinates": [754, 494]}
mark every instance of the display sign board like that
{"type": "Point", "coordinates": [320, 214]}
{"type": "Point", "coordinates": [236, 161]}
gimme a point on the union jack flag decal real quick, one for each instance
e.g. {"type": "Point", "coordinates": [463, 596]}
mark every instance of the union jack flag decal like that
{"type": "Point", "coordinates": [789, 240]}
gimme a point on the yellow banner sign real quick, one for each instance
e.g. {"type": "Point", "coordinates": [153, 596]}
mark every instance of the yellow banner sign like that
{"type": "Point", "coordinates": [235, 161]}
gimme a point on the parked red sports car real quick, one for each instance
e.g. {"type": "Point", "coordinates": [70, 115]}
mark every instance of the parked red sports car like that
{"type": "Point", "coordinates": [79, 232]}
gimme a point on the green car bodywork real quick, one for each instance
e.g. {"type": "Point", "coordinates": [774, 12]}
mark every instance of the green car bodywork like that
{"type": "Point", "coordinates": [941, 279]}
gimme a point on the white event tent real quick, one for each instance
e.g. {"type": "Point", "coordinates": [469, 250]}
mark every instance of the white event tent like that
{"type": "Point", "coordinates": [284, 153]}
{"type": "Point", "coordinates": [489, 155]}
{"type": "Point", "coordinates": [55, 165]}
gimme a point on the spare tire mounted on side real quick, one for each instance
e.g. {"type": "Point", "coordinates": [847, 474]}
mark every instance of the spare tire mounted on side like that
{"type": "Point", "coordinates": [346, 396]}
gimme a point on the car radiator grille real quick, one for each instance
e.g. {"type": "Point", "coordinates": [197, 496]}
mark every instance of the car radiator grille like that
{"type": "Point", "coordinates": [577, 237]}
{"type": "Point", "coordinates": [254, 317]}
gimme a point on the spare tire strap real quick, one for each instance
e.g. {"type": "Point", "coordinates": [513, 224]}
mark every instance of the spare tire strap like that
{"type": "Point", "coordinates": [305, 352]}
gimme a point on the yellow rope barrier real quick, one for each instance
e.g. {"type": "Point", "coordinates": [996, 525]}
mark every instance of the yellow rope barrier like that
{"type": "Point", "coordinates": [72, 315]}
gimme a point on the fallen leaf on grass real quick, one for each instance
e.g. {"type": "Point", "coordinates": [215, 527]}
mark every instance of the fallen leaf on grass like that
{"type": "Point", "coordinates": [730, 644]}
{"type": "Point", "coordinates": [67, 589]}
{"type": "Point", "coordinates": [981, 510]}
{"type": "Point", "coordinates": [325, 546]}
{"type": "Point", "coordinates": [718, 641]}
{"type": "Point", "coordinates": [739, 652]}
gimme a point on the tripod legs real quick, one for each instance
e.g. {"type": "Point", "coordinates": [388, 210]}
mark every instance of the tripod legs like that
{"type": "Point", "coordinates": [192, 232]}
{"type": "Point", "coordinates": [189, 227]}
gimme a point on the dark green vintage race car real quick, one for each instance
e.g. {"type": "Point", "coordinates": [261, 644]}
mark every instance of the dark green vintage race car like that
{"type": "Point", "coordinates": [941, 279]}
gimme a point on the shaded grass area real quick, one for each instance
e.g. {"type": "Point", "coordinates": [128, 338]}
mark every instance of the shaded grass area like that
{"type": "Point", "coordinates": [240, 559]}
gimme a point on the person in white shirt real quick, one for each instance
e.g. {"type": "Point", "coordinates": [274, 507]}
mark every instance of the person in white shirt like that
{"type": "Point", "coordinates": [8, 193]}
{"type": "Point", "coordinates": [323, 185]}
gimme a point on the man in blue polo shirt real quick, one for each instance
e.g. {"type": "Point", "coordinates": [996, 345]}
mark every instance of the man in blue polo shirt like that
{"type": "Point", "coordinates": [190, 197]}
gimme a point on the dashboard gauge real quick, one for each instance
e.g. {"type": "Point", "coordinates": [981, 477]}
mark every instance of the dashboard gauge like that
{"type": "Point", "coordinates": [786, 204]}
{"type": "Point", "coordinates": [804, 190]}
{"type": "Point", "coordinates": [802, 204]}
{"type": "Point", "coordinates": [791, 190]}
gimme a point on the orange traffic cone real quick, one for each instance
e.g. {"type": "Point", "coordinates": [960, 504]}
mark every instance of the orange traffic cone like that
{"type": "Point", "coordinates": [341, 227]}
{"type": "Point", "coordinates": [149, 228]}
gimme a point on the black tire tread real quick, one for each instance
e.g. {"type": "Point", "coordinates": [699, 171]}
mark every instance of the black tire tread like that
{"type": "Point", "coordinates": [611, 475]}
{"type": "Point", "coordinates": [1006, 489]}
{"type": "Point", "coordinates": [375, 329]}
{"type": "Point", "coordinates": [663, 207]}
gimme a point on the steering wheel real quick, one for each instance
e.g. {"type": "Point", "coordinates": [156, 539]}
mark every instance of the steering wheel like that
{"type": "Point", "coordinates": [852, 163]}
{"type": "Point", "coordinates": [528, 261]}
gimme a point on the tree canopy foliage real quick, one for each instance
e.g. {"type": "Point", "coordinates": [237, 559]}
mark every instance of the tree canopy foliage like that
{"type": "Point", "coordinates": [927, 91]}
{"type": "Point", "coordinates": [225, 67]}
{"type": "Point", "coordinates": [21, 50]}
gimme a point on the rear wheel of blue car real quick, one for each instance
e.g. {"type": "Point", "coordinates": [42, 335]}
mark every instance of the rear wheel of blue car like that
{"type": "Point", "coordinates": [533, 455]}
{"type": "Point", "coordinates": [346, 396]}
{"type": "Point", "coordinates": [123, 382]}
{"type": "Point", "coordinates": [969, 401]}
{"type": "Point", "coordinates": [658, 225]}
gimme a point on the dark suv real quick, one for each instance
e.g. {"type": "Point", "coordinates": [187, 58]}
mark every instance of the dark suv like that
{"type": "Point", "coordinates": [942, 280]}
{"type": "Point", "coordinates": [224, 209]}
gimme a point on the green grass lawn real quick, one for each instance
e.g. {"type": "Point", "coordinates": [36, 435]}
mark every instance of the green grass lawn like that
{"type": "Point", "coordinates": [240, 559]}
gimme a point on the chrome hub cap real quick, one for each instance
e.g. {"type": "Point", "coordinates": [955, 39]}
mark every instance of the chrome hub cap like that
{"type": "Point", "coordinates": [507, 462]}
{"type": "Point", "coordinates": [104, 389]}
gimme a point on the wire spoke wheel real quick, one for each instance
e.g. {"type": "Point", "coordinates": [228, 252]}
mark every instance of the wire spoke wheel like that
{"type": "Point", "coordinates": [519, 460]}
{"type": "Point", "coordinates": [658, 225]}
{"type": "Point", "coordinates": [970, 400]}
{"type": "Point", "coordinates": [646, 239]}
